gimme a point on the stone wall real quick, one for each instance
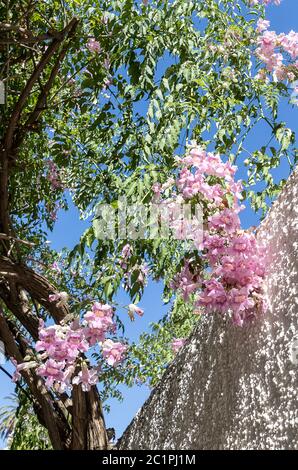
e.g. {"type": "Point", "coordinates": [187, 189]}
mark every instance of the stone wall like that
{"type": "Point", "coordinates": [231, 387]}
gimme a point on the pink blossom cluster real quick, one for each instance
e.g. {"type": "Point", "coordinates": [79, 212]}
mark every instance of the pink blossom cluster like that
{"type": "Point", "coordinates": [186, 281]}
{"type": "Point", "coordinates": [113, 352]}
{"type": "Point", "coordinates": [53, 175]}
{"type": "Point", "coordinates": [125, 255]}
{"type": "Point", "coordinates": [99, 321]}
{"type": "Point", "coordinates": [232, 280]}
{"type": "Point", "coordinates": [53, 210]}
{"type": "Point", "coordinates": [191, 183]}
{"type": "Point", "coordinates": [143, 274]}
{"type": "Point", "coordinates": [177, 344]}
{"type": "Point", "coordinates": [61, 349]}
{"type": "Point", "coordinates": [93, 45]}
{"type": "Point", "coordinates": [55, 267]}
{"type": "Point", "coordinates": [272, 49]}
{"type": "Point", "coordinates": [143, 269]}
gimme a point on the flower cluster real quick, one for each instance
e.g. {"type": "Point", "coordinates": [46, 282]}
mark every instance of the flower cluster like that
{"type": "Point", "coordinates": [62, 347]}
{"type": "Point", "coordinates": [93, 45]}
{"type": "Point", "coordinates": [232, 280]}
{"type": "Point", "coordinates": [113, 352]}
{"type": "Point", "coordinates": [55, 267]}
{"type": "Point", "coordinates": [279, 52]}
{"type": "Point", "coordinates": [177, 344]}
{"type": "Point", "coordinates": [143, 269]}
{"type": "Point", "coordinates": [186, 281]}
{"type": "Point", "coordinates": [53, 175]}
{"type": "Point", "coordinates": [125, 255]}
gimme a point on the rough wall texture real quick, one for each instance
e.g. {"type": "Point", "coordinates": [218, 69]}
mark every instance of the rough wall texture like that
{"type": "Point", "coordinates": [231, 387]}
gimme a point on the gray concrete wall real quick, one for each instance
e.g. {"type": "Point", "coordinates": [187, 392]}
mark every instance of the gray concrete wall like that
{"type": "Point", "coordinates": [231, 387]}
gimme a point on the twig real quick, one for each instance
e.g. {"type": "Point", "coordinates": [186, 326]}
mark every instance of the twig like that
{"type": "Point", "coordinates": [4, 236]}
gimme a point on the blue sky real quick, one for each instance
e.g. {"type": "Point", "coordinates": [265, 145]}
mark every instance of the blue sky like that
{"type": "Point", "coordinates": [69, 229]}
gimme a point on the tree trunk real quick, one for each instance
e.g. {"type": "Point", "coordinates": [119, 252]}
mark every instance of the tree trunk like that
{"type": "Point", "coordinates": [88, 426]}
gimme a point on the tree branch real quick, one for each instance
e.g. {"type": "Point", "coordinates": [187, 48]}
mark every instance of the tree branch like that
{"type": "Point", "coordinates": [8, 149]}
{"type": "Point", "coordinates": [51, 50]}
{"type": "Point", "coordinates": [41, 104]}
{"type": "Point", "coordinates": [36, 284]}
{"type": "Point", "coordinates": [18, 304]}
{"type": "Point", "coordinates": [4, 236]}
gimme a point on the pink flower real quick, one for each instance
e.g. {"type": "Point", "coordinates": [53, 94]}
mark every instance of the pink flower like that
{"type": "Point", "coordinates": [215, 245]}
{"type": "Point", "coordinates": [213, 297]}
{"type": "Point", "coordinates": [134, 309]}
{"type": "Point", "coordinates": [52, 371]}
{"type": "Point", "coordinates": [242, 243]}
{"type": "Point", "coordinates": [62, 343]}
{"type": "Point", "coordinates": [66, 382]}
{"type": "Point", "coordinates": [101, 317]}
{"type": "Point", "coordinates": [126, 251]}
{"type": "Point", "coordinates": [262, 25]}
{"type": "Point", "coordinates": [157, 188]}
{"type": "Point", "coordinates": [185, 281]}
{"type": "Point", "coordinates": [76, 341]}
{"type": "Point", "coordinates": [235, 262]}
{"type": "Point", "coordinates": [55, 266]}
{"type": "Point", "coordinates": [61, 346]}
{"type": "Point", "coordinates": [16, 375]}
{"type": "Point", "coordinates": [144, 271]}
{"type": "Point", "coordinates": [177, 344]}
{"type": "Point", "coordinates": [102, 310]}
{"type": "Point", "coordinates": [59, 297]}
{"type": "Point", "coordinates": [99, 321]}
{"type": "Point", "coordinates": [239, 299]}
{"type": "Point", "coordinates": [93, 45]}
{"type": "Point", "coordinates": [53, 175]}
{"type": "Point", "coordinates": [289, 42]}
{"type": "Point", "coordinates": [46, 338]}
{"type": "Point", "coordinates": [271, 48]}
{"type": "Point", "coordinates": [113, 352]}
{"type": "Point", "coordinates": [227, 220]}
{"type": "Point", "coordinates": [86, 377]}
{"type": "Point", "coordinates": [94, 335]}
